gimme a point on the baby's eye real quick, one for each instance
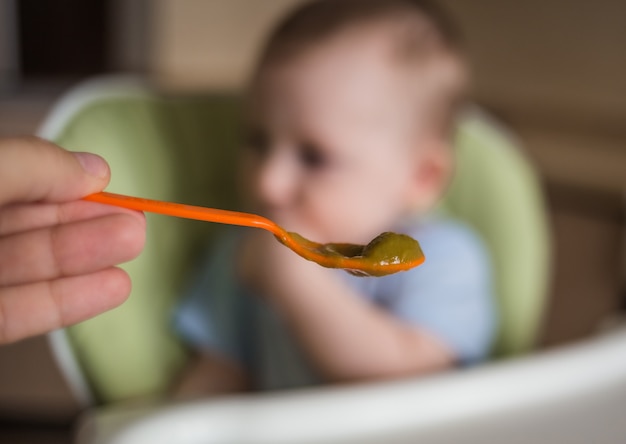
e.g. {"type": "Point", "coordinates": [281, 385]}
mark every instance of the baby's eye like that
{"type": "Point", "coordinates": [312, 157]}
{"type": "Point", "coordinates": [257, 141]}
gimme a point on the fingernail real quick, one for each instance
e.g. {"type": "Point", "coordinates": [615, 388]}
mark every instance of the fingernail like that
{"type": "Point", "coordinates": [93, 164]}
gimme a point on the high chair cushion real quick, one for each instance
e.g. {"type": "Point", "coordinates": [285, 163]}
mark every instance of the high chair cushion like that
{"type": "Point", "coordinates": [178, 149]}
{"type": "Point", "coordinates": [183, 149]}
{"type": "Point", "coordinates": [496, 191]}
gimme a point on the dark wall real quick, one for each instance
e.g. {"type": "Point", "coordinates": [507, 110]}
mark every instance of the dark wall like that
{"type": "Point", "coordinates": [62, 37]}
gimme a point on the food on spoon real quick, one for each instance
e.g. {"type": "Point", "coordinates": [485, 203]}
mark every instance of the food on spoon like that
{"type": "Point", "coordinates": [387, 253]}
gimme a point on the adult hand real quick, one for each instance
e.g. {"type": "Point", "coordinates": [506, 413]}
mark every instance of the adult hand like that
{"type": "Point", "coordinates": [57, 252]}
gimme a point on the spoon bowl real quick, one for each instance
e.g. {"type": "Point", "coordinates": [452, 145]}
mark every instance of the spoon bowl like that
{"type": "Point", "coordinates": [386, 254]}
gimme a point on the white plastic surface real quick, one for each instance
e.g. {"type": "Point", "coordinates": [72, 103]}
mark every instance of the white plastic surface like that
{"type": "Point", "coordinates": [575, 394]}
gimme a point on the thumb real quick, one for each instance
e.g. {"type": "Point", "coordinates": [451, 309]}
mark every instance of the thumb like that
{"type": "Point", "coordinates": [32, 169]}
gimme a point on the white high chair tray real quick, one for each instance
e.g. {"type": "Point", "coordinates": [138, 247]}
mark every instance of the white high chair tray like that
{"type": "Point", "coordinates": [574, 394]}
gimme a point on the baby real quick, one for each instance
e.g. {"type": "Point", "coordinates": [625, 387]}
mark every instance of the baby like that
{"type": "Point", "coordinates": [351, 113]}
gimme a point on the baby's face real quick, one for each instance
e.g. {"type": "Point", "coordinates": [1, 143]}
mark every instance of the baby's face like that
{"type": "Point", "coordinates": [334, 140]}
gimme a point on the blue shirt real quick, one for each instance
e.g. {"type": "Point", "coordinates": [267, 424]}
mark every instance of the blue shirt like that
{"type": "Point", "coordinates": [450, 296]}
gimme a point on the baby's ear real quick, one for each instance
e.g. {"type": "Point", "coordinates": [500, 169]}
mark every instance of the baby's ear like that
{"type": "Point", "coordinates": [433, 168]}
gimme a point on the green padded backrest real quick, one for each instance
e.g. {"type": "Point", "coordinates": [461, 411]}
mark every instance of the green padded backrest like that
{"type": "Point", "coordinates": [183, 149]}
{"type": "Point", "coordinates": [496, 191]}
{"type": "Point", "coordinates": [171, 149]}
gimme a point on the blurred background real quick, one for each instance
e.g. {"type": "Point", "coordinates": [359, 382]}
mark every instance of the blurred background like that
{"type": "Point", "coordinates": [553, 70]}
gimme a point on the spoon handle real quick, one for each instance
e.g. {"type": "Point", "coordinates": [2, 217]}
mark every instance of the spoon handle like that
{"type": "Point", "coordinates": [186, 211]}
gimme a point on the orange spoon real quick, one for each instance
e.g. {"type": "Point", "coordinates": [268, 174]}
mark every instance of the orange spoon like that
{"type": "Point", "coordinates": [386, 254]}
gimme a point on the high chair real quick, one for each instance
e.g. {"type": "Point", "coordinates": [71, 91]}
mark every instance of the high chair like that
{"type": "Point", "coordinates": [183, 149]}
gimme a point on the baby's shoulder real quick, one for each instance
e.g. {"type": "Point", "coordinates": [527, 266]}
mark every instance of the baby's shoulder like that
{"type": "Point", "coordinates": [445, 230]}
{"type": "Point", "coordinates": [448, 241]}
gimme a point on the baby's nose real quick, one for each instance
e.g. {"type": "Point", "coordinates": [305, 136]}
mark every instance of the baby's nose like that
{"type": "Point", "coordinates": [277, 180]}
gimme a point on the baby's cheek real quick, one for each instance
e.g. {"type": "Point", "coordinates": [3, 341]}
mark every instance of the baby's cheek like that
{"type": "Point", "coordinates": [352, 211]}
{"type": "Point", "coordinates": [352, 220]}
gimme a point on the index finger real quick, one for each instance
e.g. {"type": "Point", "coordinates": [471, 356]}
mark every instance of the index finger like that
{"type": "Point", "coordinates": [32, 169]}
